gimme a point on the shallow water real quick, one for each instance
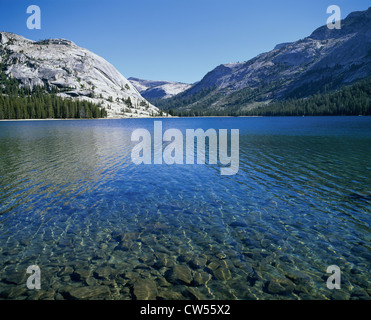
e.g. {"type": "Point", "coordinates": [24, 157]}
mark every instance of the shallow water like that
{"type": "Point", "coordinates": [100, 227]}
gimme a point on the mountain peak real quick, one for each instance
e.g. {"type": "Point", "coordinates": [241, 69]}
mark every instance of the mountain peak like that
{"type": "Point", "coordinates": [353, 23]}
{"type": "Point", "coordinates": [76, 72]}
{"type": "Point", "coordinates": [5, 37]}
{"type": "Point", "coordinates": [158, 89]}
{"type": "Point", "coordinates": [327, 58]}
{"type": "Point", "coordinates": [63, 42]}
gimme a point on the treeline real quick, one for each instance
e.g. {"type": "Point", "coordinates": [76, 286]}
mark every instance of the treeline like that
{"type": "Point", "coordinates": [47, 106]}
{"type": "Point", "coordinates": [184, 99]}
{"type": "Point", "coordinates": [41, 102]}
{"type": "Point", "coordinates": [349, 100]}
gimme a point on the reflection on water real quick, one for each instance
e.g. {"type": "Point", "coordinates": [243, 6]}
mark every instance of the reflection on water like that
{"type": "Point", "coordinates": [100, 227]}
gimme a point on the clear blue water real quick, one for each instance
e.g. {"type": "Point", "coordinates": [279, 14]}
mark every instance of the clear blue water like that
{"type": "Point", "coordinates": [100, 227]}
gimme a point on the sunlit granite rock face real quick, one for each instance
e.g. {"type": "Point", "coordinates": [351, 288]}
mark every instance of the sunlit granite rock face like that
{"type": "Point", "coordinates": [300, 68]}
{"type": "Point", "coordinates": [156, 89]}
{"type": "Point", "coordinates": [77, 72]}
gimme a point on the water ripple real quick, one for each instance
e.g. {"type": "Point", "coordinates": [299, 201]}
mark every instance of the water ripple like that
{"type": "Point", "coordinates": [72, 202]}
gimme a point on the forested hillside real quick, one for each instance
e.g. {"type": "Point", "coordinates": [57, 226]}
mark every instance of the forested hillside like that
{"type": "Point", "coordinates": [41, 103]}
{"type": "Point", "coordinates": [354, 99]}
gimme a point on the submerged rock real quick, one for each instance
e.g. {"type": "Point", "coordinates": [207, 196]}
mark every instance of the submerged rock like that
{"type": "Point", "coordinates": [148, 259]}
{"type": "Point", "coordinates": [163, 260]}
{"type": "Point", "coordinates": [144, 289]}
{"type": "Point", "coordinates": [81, 274]}
{"type": "Point", "coordinates": [194, 261]}
{"type": "Point", "coordinates": [13, 292]}
{"type": "Point", "coordinates": [359, 293]}
{"type": "Point", "coordinates": [128, 241]}
{"type": "Point", "coordinates": [298, 277]}
{"type": "Point", "coordinates": [194, 294]}
{"type": "Point", "coordinates": [104, 272]}
{"type": "Point", "coordinates": [240, 224]}
{"type": "Point", "coordinates": [222, 273]}
{"type": "Point", "coordinates": [90, 292]}
{"type": "Point", "coordinates": [170, 295]}
{"type": "Point", "coordinates": [280, 286]}
{"type": "Point", "coordinates": [220, 270]}
{"type": "Point", "coordinates": [198, 263]}
{"type": "Point", "coordinates": [179, 274]}
{"type": "Point", "coordinates": [340, 295]}
{"type": "Point", "coordinates": [201, 278]}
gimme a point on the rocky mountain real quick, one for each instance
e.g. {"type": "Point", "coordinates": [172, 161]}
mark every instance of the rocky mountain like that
{"type": "Point", "coordinates": [325, 60]}
{"type": "Point", "coordinates": [77, 73]}
{"type": "Point", "coordinates": [156, 89]}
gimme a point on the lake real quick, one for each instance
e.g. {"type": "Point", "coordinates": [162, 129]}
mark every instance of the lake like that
{"type": "Point", "coordinates": [100, 227]}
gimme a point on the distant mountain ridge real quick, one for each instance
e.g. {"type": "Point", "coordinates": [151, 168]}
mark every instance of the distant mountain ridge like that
{"type": "Point", "coordinates": [77, 73]}
{"type": "Point", "coordinates": [327, 59]}
{"type": "Point", "coordinates": [157, 89]}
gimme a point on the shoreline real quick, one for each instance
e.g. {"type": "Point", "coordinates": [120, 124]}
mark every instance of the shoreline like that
{"type": "Point", "coordinates": [118, 118]}
{"type": "Point", "coordinates": [174, 117]}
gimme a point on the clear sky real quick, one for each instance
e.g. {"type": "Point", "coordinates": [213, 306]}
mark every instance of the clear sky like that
{"type": "Point", "coordinates": [177, 40]}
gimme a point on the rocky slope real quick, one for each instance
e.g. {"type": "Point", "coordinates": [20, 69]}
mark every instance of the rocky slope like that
{"type": "Point", "coordinates": [76, 72]}
{"type": "Point", "coordinates": [155, 89]}
{"type": "Point", "coordinates": [330, 58]}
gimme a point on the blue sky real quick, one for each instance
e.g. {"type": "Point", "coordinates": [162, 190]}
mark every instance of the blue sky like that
{"type": "Point", "coordinates": [177, 40]}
